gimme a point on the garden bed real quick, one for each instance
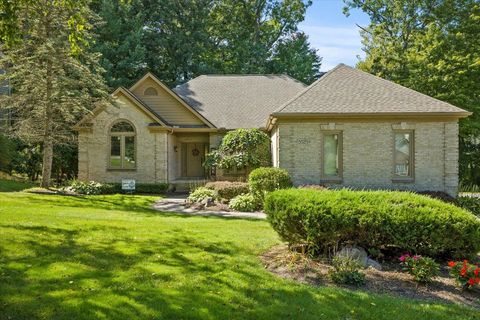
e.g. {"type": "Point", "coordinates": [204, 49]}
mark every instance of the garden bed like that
{"type": "Point", "coordinates": [292, 265]}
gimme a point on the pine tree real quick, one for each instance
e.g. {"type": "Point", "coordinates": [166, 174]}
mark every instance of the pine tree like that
{"type": "Point", "coordinates": [54, 79]}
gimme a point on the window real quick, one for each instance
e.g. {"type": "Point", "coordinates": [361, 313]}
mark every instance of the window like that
{"type": "Point", "coordinates": [150, 91]}
{"type": "Point", "coordinates": [332, 156]}
{"type": "Point", "coordinates": [122, 146]}
{"type": "Point", "coordinates": [403, 155]}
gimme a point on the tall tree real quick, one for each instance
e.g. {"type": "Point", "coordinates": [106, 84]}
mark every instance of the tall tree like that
{"type": "Point", "coordinates": [181, 39]}
{"type": "Point", "coordinates": [119, 38]}
{"type": "Point", "coordinates": [295, 57]}
{"type": "Point", "coordinates": [432, 47]}
{"type": "Point", "coordinates": [54, 79]}
{"type": "Point", "coordinates": [247, 32]}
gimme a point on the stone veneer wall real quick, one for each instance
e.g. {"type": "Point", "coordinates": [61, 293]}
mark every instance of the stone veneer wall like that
{"type": "Point", "coordinates": [368, 154]}
{"type": "Point", "coordinates": [151, 148]}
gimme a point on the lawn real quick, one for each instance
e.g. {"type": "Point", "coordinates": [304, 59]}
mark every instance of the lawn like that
{"type": "Point", "coordinates": [111, 257]}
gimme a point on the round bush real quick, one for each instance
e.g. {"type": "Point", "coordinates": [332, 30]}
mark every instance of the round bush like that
{"type": "Point", "coordinates": [263, 180]}
{"type": "Point", "coordinates": [201, 193]}
{"type": "Point", "coordinates": [324, 220]}
{"type": "Point", "coordinates": [244, 203]}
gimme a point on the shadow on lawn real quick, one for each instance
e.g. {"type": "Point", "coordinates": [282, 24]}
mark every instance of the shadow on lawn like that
{"type": "Point", "coordinates": [130, 203]}
{"type": "Point", "coordinates": [108, 272]}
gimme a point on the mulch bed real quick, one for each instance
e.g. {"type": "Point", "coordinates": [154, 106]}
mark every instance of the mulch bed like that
{"type": "Point", "coordinates": [292, 265]}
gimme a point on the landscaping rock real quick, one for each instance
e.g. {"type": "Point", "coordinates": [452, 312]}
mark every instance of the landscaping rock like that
{"type": "Point", "coordinates": [360, 255]}
{"type": "Point", "coordinates": [208, 202]}
{"type": "Point", "coordinates": [356, 253]}
{"type": "Point", "coordinates": [374, 264]}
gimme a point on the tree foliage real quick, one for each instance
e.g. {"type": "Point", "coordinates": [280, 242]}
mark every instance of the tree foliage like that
{"type": "Point", "coordinates": [179, 40]}
{"type": "Point", "coordinates": [55, 80]}
{"type": "Point", "coordinates": [432, 47]}
{"type": "Point", "coordinates": [241, 149]}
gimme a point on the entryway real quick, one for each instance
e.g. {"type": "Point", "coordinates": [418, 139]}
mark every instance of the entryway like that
{"type": "Point", "coordinates": [193, 156]}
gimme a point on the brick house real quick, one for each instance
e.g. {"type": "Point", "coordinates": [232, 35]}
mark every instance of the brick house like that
{"type": "Point", "coordinates": [347, 129]}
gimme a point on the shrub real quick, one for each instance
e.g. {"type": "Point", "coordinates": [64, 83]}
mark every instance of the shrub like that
{"type": "Point", "coordinates": [263, 180]}
{"type": "Point", "coordinates": [241, 149]}
{"type": "Point", "coordinates": [228, 190]}
{"type": "Point", "coordinates": [89, 188]}
{"type": "Point", "coordinates": [466, 274]}
{"type": "Point", "coordinates": [201, 193]}
{"type": "Point", "coordinates": [244, 203]}
{"type": "Point", "coordinates": [346, 270]}
{"type": "Point", "coordinates": [423, 269]}
{"type": "Point", "coordinates": [471, 204]}
{"type": "Point", "coordinates": [323, 220]}
{"type": "Point", "coordinates": [93, 187]}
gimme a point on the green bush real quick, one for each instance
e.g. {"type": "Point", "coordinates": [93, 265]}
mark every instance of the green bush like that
{"type": "Point", "coordinates": [472, 204]}
{"type": "Point", "coordinates": [112, 188]}
{"type": "Point", "coordinates": [267, 179]}
{"type": "Point", "coordinates": [89, 188]}
{"type": "Point", "coordinates": [227, 189]}
{"type": "Point", "coordinates": [387, 220]}
{"type": "Point", "coordinates": [346, 270]}
{"type": "Point", "coordinates": [244, 203]}
{"type": "Point", "coordinates": [423, 269]}
{"type": "Point", "coordinates": [201, 193]}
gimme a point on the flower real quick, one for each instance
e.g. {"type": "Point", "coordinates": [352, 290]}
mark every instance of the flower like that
{"type": "Point", "coordinates": [416, 257]}
{"type": "Point", "coordinates": [452, 264]}
{"type": "Point", "coordinates": [475, 272]}
{"type": "Point", "coordinates": [471, 282]}
{"type": "Point", "coordinates": [404, 257]}
{"type": "Point", "coordinates": [463, 272]}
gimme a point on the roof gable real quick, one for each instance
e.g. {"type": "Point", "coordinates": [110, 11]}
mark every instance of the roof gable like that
{"type": "Point", "coordinates": [345, 90]}
{"type": "Point", "coordinates": [173, 109]}
{"type": "Point", "coordinates": [131, 97]}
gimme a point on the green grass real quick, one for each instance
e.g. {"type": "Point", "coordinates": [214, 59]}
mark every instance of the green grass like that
{"type": "Point", "coordinates": [14, 186]}
{"type": "Point", "coordinates": [111, 257]}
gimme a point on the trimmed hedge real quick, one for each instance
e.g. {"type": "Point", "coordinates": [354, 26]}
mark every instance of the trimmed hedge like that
{"type": "Point", "coordinates": [227, 189]}
{"type": "Point", "coordinates": [324, 220]}
{"type": "Point", "coordinates": [267, 179]}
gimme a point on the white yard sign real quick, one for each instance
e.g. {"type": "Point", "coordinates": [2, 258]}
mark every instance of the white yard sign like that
{"type": "Point", "coordinates": [128, 185]}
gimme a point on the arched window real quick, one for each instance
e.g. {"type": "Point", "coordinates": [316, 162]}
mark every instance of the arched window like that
{"type": "Point", "coordinates": [122, 146]}
{"type": "Point", "coordinates": [150, 91]}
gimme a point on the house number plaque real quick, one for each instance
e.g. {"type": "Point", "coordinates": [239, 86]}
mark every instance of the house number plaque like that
{"type": "Point", "coordinates": [303, 141]}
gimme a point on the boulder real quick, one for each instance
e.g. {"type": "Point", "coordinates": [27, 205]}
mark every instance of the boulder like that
{"type": "Point", "coordinates": [208, 202]}
{"type": "Point", "coordinates": [359, 254]}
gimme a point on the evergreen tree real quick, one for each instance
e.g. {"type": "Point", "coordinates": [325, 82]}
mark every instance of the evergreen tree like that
{"type": "Point", "coordinates": [120, 40]}
{"type": "Point", "coordinates": [55, 80]}
{"type": "Point", "coordinates": [293, 56]}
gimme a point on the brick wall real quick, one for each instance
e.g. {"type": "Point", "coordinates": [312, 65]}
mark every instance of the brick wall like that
{"type": "Point", "coordinates": [151, 147]}
{"type": "Point", "coordinates": [368, 154]}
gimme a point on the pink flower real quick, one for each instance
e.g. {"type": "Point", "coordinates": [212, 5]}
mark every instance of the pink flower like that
{"type": "Point", "coordinates": [404, 257]}
{"type": "Point", "coordinates": [416, 257]}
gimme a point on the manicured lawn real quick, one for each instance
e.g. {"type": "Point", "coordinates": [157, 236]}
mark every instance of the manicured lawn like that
{"type": "Point", "coordinates": [111, 257]}
{"type": "Point", "coordinates": [12, 185]}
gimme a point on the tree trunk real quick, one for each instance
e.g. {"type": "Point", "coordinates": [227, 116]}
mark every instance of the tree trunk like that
{"type": "Point", "coordinates": [47, 163]}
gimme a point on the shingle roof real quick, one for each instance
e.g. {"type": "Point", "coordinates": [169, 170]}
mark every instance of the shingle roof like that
{"type": "Point", "coordinates": [345, 90]}
{"type": "Point", "coordinates": [238, 101]}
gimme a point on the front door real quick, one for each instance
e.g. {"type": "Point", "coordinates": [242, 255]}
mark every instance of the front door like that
{"type": "Point", "coordinates": [194, 157]}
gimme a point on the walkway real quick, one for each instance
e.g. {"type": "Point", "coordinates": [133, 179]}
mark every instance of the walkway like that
{"type": "Point", "coordinates": [177, 204]}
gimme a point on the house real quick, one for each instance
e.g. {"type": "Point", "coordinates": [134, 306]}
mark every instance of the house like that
{"type": "Point", "coordinates": [349, 128]}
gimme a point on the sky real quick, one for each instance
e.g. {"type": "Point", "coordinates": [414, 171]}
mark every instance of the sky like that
{"type": "Point", "coordinates": [335, 35]}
